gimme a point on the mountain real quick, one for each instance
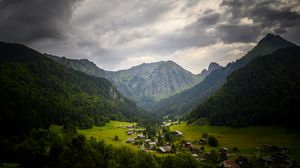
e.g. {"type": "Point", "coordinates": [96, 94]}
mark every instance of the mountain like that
{"type": "Point", "coordinates": [187, 100]}
{"type": "Point", "coordinates": [37, 92]}
{"type": "Point", "coordinates": [150, 82]}
{"type": "Point", "coordinates": [82, 65]}
{"type": "Point", "coordinates": [147, 83]}
{"type": "Point", "coordinates": [265, 92]}
{"type": "Point", "coordinates": [212, 66]}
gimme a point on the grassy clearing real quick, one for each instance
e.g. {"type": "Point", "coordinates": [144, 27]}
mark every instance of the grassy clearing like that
{"type": "Point", "coordinates": [109, 131]}
{"type": "Point", "coordinates": [245, 139]}
{"type": "Point", "coordinates": [9, 165]}
{"type": "Point", "coordinates": [55, 129]}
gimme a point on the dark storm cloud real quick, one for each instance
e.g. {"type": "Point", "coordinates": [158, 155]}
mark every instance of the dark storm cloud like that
{"type": "Point", "coordinates": [192, 35]}
{"type": "Point", "coordinates": [210, 19]}
{"type": "Point", "coordinates": [117, 33]}
{"type": "Point", "coordinates": [267, 15]}
{"type": "Point", "coordinates": [238, 33]}
{"type": "Point", "coordinates": [30, 20]}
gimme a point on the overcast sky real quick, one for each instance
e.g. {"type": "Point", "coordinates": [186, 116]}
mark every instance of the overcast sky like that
{"type": "Point", "coordinates": [118, 34]}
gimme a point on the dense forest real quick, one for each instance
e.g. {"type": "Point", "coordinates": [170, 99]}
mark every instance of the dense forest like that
{"type": "Point", "coordinates": [187, 100]}
{"type": "Point", "coordinates": [265, 92]}
{"type": "Point", "coordinates": [37, 92]}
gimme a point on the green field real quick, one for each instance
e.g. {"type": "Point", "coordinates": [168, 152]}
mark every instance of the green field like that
{"type": "Point", "coordinates": [245, 139]}
{"type": "Point", "coordinates": [109, 131]}
{"type": "Point", "coordinates": [106, 133]}
{"type": "Point", "coordinates": [9, 165]}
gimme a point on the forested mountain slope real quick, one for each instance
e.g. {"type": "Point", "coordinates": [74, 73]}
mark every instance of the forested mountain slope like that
{"type": "Point", "coordinates": [265, 92]}
{"type": "Point", "coordinates": [187, 100]}
{"type": "Point", "coordinates": [36, 92]}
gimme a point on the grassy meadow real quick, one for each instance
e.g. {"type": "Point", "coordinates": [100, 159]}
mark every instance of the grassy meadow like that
{"type": "Point", "coordinates": [109, 131]}
{"type": "Point", "coordinates": [245, 139]}
{"type": "Point", "coordinates": [106, 133]}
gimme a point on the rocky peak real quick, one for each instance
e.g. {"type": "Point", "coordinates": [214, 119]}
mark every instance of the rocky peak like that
{"type": "Point", "coordinates": [212, 66]}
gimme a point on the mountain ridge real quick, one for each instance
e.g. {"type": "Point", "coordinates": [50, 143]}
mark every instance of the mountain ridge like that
{"type": "Point", "coordinates": [264, 92]}
{"type": "Point", "coordinates": [187, 100]}
{"type": "Point", "coordinates": [167, 78]}
{"type": "Point", "coordinates": [83, 65]}
{"type": "Point", "coordinates": [147, 83]}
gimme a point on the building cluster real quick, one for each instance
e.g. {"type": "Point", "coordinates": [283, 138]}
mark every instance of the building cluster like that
{"type": "Point", "coordinates": [277, 157]}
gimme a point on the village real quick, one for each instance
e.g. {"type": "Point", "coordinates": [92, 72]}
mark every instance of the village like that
{"type": "Point", "coordinates": [173, 142]}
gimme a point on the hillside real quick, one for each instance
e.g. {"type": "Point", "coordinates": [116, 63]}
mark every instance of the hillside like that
{"type": "Point", "coordinates": [265, 92]}
{"type": "Point", "coordinates": [187, 100]}
{"type": "Point", "coordinates": [82, 65]}
{"type": "Point", "coordinates": [36, 92]}
{"type": "Point", "coordinates": [150, 82]}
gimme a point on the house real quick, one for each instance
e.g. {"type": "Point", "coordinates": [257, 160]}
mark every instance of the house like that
{"type": "Point", "coordinates": [195, 156]}
{"type": "Point", "coordinates": [130, 132]}
{"type": "Point", "coordinates": [165, 149]}
{"type": "Point", "coordinates": [223, 154]}
{"type": "Point", "coordinates": [178, 133]}
{"type": "Point", "coordinates": [130, 140]}
{"type": "Point", "coordinates": [202, 141]}
{"type": "Point", "coordinates": [229, 164]}
{"type": "Point", "coordinates": [152, 145]}
{"type": "Point", "coordinates": [141, 136]}
{"type": "Point", "coordinates": [278, 159]}
{"type": "Point", "coordinates": [167, 124]}
{"type": "Point", "coordinates": [186, 144]}
{"type": "Point", "coordinates": [139, 130]}
{"type": "Point", "coordinates": [147, 141]}
{"type": "Point", "coordinates": [224, 151]}
{"type": "Point", "coordinates": [130, 126]}
{"type": "Point", "coordinates": [197, 150]}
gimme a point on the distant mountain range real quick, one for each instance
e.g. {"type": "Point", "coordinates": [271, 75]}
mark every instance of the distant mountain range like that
{"type": "Point", "coordinates": [166, 88]}
{"type": "Point", "coordinates": [265, 92]}
{"type": "Point", "coordinates": [187, 100]}
{"type": "Point", "coordinates": [37, 92]}
{"type": "Point", "coordinates": [147, 83]}
{"type": "Point", "coordinates": [150, 82]}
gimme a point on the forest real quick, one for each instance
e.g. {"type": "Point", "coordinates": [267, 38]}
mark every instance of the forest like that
{"type": "Point", "coordinates": [265, 92]}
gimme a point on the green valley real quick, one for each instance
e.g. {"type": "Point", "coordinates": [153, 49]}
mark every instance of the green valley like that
{"type": "Point", "coordinates": [145, 110]}
{"type": "Point", "coordinates": [247, 139]}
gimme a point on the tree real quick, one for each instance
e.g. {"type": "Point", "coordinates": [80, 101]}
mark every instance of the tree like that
{"type": "Point", "coordinates": [116, 138]}
{"type": "Point", "coordinates": [213, 156]}
{"type": "Point", "coordinates": [205, 135]}
{"type": "Point", "coordinates": [169, 137]}
{"type": "Point", "coordinates": [173, 148]}
{"type": "Point", "coordinates": [69, 129]}
{"type": "Point", "coordinates": [213, 141]}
